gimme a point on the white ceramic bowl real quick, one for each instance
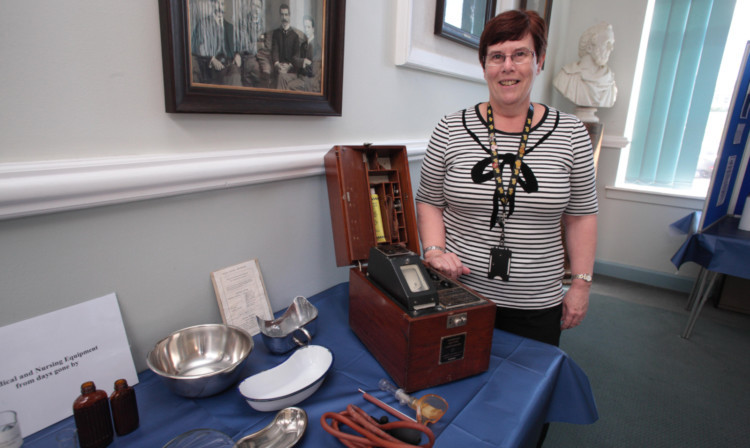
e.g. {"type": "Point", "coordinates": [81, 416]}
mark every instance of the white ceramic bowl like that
{"type": "Point", "coordinates": [290, 382]}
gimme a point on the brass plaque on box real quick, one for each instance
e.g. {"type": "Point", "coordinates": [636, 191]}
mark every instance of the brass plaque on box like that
{"type": "Point", "coordinates": [452, 348]}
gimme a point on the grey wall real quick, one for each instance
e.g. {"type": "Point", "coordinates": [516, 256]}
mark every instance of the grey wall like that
{"type": "Point", "coordinates": [85, 83]}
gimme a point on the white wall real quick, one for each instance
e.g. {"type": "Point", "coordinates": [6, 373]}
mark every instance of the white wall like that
{"type": "Point", "coordinates": [84, 82]}
{"type": "Point", "coordinates": [87, 82]}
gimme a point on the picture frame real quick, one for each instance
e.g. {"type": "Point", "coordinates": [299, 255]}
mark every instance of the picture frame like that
{"type": "Point", "coordinates": [472, 15]}
{"type": "Point", "coordinates": [542, 7]}
{"type": "Point", "coordinates": [224, 56]}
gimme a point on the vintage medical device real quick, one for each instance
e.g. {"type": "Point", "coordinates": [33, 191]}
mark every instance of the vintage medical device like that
{"type": "Point", "coordinates": [423, 328]}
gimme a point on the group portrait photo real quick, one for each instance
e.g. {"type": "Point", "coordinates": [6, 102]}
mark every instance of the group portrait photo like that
{"type": "Point", "coordinates": [257, 44]}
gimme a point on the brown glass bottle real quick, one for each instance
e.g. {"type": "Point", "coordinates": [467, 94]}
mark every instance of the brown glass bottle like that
{"type": "Point", "coordinates": [124, 408]}
{"type": "Point", "coordinates": [92, 417]}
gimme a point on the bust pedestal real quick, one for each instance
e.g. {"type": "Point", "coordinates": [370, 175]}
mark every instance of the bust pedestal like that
{"type": "Point", "coordinates": [587, 114]}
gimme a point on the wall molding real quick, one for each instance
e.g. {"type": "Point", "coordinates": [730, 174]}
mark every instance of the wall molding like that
{"type": "Point", "coordinates": [35, 188]}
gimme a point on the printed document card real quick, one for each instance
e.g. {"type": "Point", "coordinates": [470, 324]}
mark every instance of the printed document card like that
{"type": "Point", "coordinates": [242, 295]}
{"type": "Point", "coordinates": [45, 360]}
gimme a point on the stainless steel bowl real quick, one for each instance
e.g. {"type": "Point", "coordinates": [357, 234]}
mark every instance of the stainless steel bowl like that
{"type": "Point", "coordinates": [202, 360]}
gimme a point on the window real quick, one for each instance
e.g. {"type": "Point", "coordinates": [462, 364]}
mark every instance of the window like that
{"type": "Point", "coordinates": [692, 58]}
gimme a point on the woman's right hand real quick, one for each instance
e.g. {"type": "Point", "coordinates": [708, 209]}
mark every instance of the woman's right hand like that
{"type": "Point", "coordinates": [447, 263]}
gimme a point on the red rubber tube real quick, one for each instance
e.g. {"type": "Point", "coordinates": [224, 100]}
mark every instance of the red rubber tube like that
{"type": "Point", "coordinates": [372, 434]}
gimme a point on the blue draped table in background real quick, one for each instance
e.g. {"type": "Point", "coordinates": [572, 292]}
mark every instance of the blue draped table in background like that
{"type": "Point", "coordinates": [527, 383]}
{"type": "Point", "coordinates": [721, 248]}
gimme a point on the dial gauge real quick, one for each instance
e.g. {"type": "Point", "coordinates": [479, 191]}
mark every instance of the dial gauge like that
{"type": "Point", "coordinates": [414, 278]}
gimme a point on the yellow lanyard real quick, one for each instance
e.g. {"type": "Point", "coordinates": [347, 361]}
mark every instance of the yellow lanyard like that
{"type": "Point", "coordinates": [503, 195]}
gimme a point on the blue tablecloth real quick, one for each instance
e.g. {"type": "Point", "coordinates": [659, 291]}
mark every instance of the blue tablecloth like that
{"type": "Point", "coordinates": [527, 383]}
{"type": "Point", "coordinates": [687, 225]}
{"type": "Point", "coordinates": [721, 247]}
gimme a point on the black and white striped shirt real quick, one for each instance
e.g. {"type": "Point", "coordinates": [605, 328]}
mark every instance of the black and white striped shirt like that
{"type": "Point", "coordinates": [563, 166]}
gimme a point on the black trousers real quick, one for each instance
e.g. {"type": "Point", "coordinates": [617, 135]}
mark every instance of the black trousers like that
{"type": "Point", "coordinates": [541, 325]}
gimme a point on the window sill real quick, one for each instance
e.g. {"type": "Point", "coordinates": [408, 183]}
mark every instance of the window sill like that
{"type": "Point", "coordinates": [659, 196]}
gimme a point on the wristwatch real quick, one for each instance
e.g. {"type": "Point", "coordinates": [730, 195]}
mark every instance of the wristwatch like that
{"type": "Point", "coordinates": [585, 277]}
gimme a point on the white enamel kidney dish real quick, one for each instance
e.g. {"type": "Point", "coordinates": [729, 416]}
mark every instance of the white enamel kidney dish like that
{"type": "Point", "coordinates": [290, 382]}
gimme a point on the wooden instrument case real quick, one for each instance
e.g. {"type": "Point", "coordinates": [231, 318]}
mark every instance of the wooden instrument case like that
{"type": "Point", "coordinates": [418, 349]}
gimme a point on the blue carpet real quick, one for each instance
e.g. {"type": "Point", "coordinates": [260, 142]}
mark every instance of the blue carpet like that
{"type": "Point", "coordinates": [653, 388]}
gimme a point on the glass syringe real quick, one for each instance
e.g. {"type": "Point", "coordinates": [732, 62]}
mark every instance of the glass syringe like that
{"type": "Point", "coordinates": [430, 408]}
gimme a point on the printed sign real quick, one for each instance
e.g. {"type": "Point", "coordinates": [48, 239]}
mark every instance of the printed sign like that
{"type": "Point", "coordinates": [48, 357]}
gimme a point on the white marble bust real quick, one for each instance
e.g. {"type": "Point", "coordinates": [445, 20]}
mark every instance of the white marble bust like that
{"type": "Point", "coordinates": [589, 82]}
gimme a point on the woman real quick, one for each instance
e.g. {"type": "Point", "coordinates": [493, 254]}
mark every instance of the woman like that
{"type": "Point", "coordinates": [499, 229]}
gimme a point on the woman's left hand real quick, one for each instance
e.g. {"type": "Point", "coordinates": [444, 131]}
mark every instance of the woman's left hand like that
{"type": "Point", "coordinates": [575, 305]}
{"type": "Point", "coordinates": [447, 263]}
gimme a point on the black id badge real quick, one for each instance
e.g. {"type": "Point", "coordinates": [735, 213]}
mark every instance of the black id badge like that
{"type": "Point", "coordinates": [500, 263]}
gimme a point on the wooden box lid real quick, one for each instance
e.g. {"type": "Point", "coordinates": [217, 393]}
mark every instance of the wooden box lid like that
{"type": "Point", "coordinates": [351, 172]}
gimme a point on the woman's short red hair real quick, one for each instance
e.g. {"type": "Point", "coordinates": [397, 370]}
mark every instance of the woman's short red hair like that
{"type": "Point", "coordinates": [514, 25]}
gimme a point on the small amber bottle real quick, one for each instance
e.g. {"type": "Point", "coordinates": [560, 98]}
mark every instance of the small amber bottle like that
{"type": "Point", "coordinates": [92, 417]}
{"type": "Point", "coordinates": [124, 408]}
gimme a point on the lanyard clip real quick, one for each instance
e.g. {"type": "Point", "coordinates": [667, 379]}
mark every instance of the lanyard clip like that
{"type": "Point", "coordinates": [501, 220]}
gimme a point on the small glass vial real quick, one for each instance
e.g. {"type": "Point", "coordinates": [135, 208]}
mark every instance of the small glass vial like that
{"type": "Point", "coordinates": [124, 408]}
{"type": "Point", "coordinates": [92, 417]}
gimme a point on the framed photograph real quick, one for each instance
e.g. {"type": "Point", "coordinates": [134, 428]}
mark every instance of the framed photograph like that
{"type": "Point", "coordinates": [462, 21]}
{"type": "Point", "coordinates": [542, 7]}
{"type": "Point", "coordinates": [253, 56]}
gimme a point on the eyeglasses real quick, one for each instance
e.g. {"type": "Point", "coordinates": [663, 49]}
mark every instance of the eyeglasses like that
{"type": "Point", "coordinates": [520, 56]}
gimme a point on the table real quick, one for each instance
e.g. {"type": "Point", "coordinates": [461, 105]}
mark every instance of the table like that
{"type": "Point", "coordinates": [527, 383]}
{"type": "Point", "coordinates": [721, 248]}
